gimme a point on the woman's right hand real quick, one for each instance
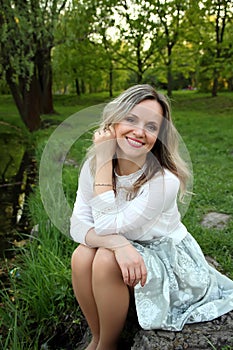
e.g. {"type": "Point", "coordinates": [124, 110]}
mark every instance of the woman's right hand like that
{"type": "Point", "coordinates": [132, 265]}
{"type": "Point", "coordinates": [105, 143]}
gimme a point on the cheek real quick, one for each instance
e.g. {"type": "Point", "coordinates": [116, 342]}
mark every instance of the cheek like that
{"type": "Point", "coordinates": [152, 139]}
{"type": "Point", "coordinates": [119, 130]}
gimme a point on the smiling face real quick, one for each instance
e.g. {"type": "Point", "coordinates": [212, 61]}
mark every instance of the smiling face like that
{"type": "Point", "coordinates": [137, 133]}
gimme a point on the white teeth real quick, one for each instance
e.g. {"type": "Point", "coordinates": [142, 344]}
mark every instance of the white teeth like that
{"type": "Point", "coordinates": [134, 143]}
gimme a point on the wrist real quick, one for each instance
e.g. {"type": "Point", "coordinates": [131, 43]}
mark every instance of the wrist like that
{"type": "Point", "coordinates": [114, 249]}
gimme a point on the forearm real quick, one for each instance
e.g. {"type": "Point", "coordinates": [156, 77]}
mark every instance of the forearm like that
{"type": "Point", "coordinates": [105, 146]}
{"type": "Point", "coordinates": [112, 241]}
{"type": "Point", "coordinates": [103, 177]}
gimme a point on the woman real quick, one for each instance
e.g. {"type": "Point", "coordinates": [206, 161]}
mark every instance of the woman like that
{"type": "Point", "coordinates": [128, 225]}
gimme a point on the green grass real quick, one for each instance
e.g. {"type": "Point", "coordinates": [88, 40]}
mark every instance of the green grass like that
{"type": "Point", "coordinates": [205, 124]}
{"type": "Point", "coordinates": [38, 304]}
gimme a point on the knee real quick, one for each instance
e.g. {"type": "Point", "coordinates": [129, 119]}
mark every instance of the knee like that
{"type": "Point", "coordinates": [105, 264]}
{"type": "Point", "coordinates": [82, 258]}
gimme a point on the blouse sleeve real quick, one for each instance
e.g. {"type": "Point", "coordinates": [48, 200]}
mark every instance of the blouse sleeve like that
{"type": "Point", "coordinates": [156, 196]}
{"type": "Point", "coordinates": [81, 220]}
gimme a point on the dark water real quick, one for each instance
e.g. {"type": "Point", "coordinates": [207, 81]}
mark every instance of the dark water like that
{"type": "Point", "coordinates": [16, 174]}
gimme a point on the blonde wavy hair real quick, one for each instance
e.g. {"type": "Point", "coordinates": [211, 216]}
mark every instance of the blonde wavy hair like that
{"type": "Point", "coordinates": [165, 153]}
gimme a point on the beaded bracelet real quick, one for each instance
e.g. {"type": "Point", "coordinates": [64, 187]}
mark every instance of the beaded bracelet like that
{"type": "Point", "coordinates": [110, 185]}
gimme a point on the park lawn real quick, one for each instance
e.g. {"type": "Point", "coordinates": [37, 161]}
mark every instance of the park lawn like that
{"type": "Point", "coordinates": [205, 124]}
{"type": "Point", "coordinates": [39, 306]}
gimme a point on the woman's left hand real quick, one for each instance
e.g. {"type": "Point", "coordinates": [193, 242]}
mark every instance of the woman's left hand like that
{"type": "Point", "coordinates": [132, 265]}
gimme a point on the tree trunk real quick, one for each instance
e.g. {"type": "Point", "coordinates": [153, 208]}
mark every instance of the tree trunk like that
{"type": "Point", "coordinates": [83, 87]}
{"type": "Point", "coordinates": [31, 116]}
{"type": "Point", "coordinates": [78, 92]}
{"type": "Point", "coordinates": [139, 77]}
{"type": "Point", "coordinates": [230, 84]}
{"type": "Point", "coordinates": [215, 84]}
{"type": "Point", "coordinates": [14, 88]}
{"type": "Point", "coordinates": [110, 81]}
{"type": "Point", "coordinates": [169, 81]}
{"type": "Point", "coordinates": [27, 101]}
{"type": "Point", "coordinates": [169, 72]}
{"type": "Point", "coordinates": [43, 63]}
{"type": "Point", "coordinates": [139, 63]}
{"type": "Point", "coordinates": [47, 97]}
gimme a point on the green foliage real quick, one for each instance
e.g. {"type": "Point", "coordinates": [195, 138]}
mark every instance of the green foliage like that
{"type": "Point", "coordinates": [107, 44]}
{"type": "Point", "coordinates": [26, 40]}
{"type": "Point", "coordinates": [212, 40]}
{"type": "Point", "coordinates": [40, 292]}
{"type": "Point", "coordinates": [26, 27]}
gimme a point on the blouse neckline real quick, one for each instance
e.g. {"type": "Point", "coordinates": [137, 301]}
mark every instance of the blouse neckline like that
{"type": "Point", "coordinates": [131, 178]}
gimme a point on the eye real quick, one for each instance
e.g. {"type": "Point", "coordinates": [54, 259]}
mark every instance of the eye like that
{"type": "Point", "coordinates": [152, 127]}
{"type": "Point", "coordinates": [130, 119]}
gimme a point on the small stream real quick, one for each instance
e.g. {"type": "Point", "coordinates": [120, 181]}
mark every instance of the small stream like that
{"type": "Point", "coordinates": [17, 172]}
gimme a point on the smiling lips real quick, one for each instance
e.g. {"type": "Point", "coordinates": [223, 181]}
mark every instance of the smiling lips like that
{"type": "Point", "coordinates": [134, 142]}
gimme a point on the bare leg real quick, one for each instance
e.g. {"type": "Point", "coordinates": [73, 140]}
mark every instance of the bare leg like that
{"type": "Point", "coordinates": [112, 298]}
{"type": "Point", "coordinates": [81, 263]}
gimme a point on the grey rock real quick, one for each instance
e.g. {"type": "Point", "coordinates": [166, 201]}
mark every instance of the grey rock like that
{"type": "Point", "coordinates": [216, 334]}
{"type": "Point", "coordinates": [215, 220]}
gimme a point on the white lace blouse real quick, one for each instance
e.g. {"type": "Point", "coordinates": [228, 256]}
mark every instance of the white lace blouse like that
{"type": "Point", "coordinates": [152, 214]}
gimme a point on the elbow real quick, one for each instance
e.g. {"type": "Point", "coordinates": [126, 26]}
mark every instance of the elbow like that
{"type": "Point", "coordinates": [74, 233]}
{"type": "Point", "coordinates": [78, 230]}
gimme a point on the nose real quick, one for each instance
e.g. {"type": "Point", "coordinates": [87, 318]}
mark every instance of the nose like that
{"type": "Point", "coordinates": [139, 131]}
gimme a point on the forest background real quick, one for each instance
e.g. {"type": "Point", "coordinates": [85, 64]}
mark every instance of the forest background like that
{"type": "Point", "coordinates": [58, 57]}
{"type": "Point", "coordinates": [65, 46]}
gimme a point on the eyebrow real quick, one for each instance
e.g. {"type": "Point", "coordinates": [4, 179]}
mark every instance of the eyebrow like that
{"type": "Point", "coordinates": [135, 115]}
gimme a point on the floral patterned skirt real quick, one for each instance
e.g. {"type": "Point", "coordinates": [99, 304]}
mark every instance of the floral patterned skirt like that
{"type": "Point", "coordinates": [181, 286]}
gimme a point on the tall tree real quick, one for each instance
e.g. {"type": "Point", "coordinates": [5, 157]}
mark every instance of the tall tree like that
{"type": "Point", "coordinates": [149, 30]}
{"type": "Point", "coordinates": [212, 40]}
{"type": "Point", "coordinates": [171, 14]}
{"type": "Point", "coordinates": [78, 57]}
{"type": "Point", "coordinates": [26, 41]}
{"type": "Point", "coordinates": [135, 31]}
{"type": "Point", "coordinates": [102, 37]}
{"type": "Point", "coordinates": [222, 10]}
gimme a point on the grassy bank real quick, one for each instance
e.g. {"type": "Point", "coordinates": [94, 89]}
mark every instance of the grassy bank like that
{"type": "Point", "coordinates": [38, 309]}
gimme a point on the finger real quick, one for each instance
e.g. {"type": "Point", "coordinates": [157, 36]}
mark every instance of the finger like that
{"type": "Point", "coordinates": [138, 273]}
{"type": "Point", "coordinates": [132, 276]}
{"type": "Point", "coordinates": [96, 133]}
{"type": "Point", "coordinates": [143, 274]}
{"type": "Point", "coordinates": [125, 275]}
{"type": "Point", "coordinates": [107, 132]}
{"type": "Point", "coordinates": [135, 277]}
{"type": "Point", "coordinates": [135, 283]}
{"type": "Point", "coordinates": [103, 132]}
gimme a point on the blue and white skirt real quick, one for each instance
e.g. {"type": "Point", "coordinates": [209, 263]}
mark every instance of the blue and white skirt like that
{"type": "Point", "coordinates": [181, 286]}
